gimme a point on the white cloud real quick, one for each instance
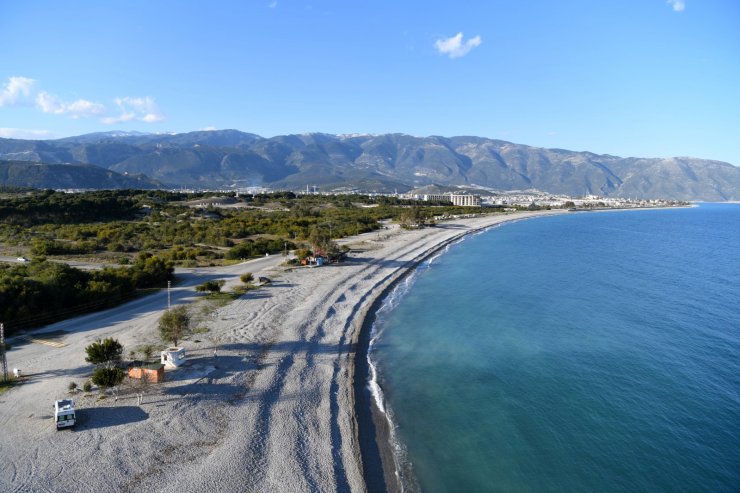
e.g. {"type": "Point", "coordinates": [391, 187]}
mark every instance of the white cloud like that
{"type": "Point", "coordinates": [48, 103]}
{"type": "Point", "coordinates": [454, 47]}
{"type": "Point", "coordinates": [140, 109]}
{"type": "Point", "coordinates": [22, 90]}
{"type": "Point", "coordinates": [272, 4]}
{"type": "Point", "coordinates": [16, 90]}
{"type": "Point", "coordinates": [677, 5]}
{"type": "Point", "coordinates": [23, 133]}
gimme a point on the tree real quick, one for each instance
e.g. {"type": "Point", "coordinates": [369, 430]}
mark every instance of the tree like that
{"type": "Point", "coordinates": [147, 352]}
{"type": "Point", "coordinates": [321, 242]}
{"type": "Point", "coordinates": [106, 353]}
{"type": "Point", "coordinates": [108, 377]}
{"type": "Point", "coordinates": [302, 253]}
{"type": "Point", "coordinates": [174, 324]}
{"type": "Point", "coordinates": [412, 218]}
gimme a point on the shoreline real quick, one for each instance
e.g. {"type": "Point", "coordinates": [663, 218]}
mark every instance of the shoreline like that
{"type": "Point", "coordinates": [373, 422]}
{"type": "Point", "coordinates": [380, 467]}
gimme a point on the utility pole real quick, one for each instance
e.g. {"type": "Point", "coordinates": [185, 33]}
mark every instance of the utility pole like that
{"type": "Point", "coordinates": [2, 353]}
{"type": "Point", "coordinates": [169, 285]}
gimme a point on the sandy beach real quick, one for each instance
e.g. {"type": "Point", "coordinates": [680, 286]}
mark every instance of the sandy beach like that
{"type": "Point", "coordinates": [272, 410]}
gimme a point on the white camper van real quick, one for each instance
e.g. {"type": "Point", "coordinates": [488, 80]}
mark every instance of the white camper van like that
{"type": "Point", "coordinates": [64, 413]}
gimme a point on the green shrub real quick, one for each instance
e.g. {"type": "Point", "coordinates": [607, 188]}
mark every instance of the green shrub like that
{"type": "Point", "coordinates": [87, 386]}
{"type": "Point", "coordinates": [107, 377]}
{"type": "Point", "coordinates": [105, 352]}
{"type": "Point", "coordinates": [72, 386]}
{"type": "Point", "coordinates": [174, 324]}
{"type": "Point", "coordinates": [147, 352]}
{"type": "Point", "coordinates": [302, 253]}
{"type": "Point", "coordinates": [257, 248]}
{"type": "Point", "coordinates": [210, 286]}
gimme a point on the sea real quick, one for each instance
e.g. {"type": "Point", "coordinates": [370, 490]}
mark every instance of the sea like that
{"type": "Point", "coordinates": [591, 351]}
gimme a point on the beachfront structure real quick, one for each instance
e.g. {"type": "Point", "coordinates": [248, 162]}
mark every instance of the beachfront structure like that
{"type": "Point", "coordinates": [466, 200]}
{"type": "Point", "coordinates": [173, 357]}
{"type": "Point", "coordinates": [463, 200]}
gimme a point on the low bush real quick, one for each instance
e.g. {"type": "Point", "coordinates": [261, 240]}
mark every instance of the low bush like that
{"type": "Point", "coordinates": [107, 377]}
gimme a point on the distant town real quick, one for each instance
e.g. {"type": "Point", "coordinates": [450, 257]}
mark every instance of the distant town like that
{"type": "Point", "coordinates": [516, 199]}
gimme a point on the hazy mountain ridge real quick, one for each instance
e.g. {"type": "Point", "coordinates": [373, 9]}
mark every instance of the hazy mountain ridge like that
{"type": "Point", "coordinates": [380, 162]}
{"type": "Point", "coordinates": [85, 176]}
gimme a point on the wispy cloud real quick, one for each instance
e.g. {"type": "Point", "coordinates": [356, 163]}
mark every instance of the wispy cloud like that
{"type": "Point", "coordinates": [677, 5]}
{"type": "Point", "coordinates": [454, 47]}
{"type": "Point", "coordinates": [139, 109]}
{"type": "Point", "coordinates": [16, 90]}
{"type": "Point", "coordinates": [24, 133]}
{"type": "Point", "coordinates": [23, 91]}
{"type": "Point", "coordinates": [48, 103]}
{"type": "Point", "coordinates": [272, 4]}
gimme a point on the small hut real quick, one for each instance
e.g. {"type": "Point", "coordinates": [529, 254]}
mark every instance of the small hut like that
{"type": "Point", "coordinates": [152, 373]}
{"type": "Point", "coordinates": [173, 357]}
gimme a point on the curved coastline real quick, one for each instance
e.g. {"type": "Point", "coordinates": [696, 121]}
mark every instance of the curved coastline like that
{"type": "Point", "coordinates": [285, 406]}
{"type": "Point", "coordinates": [379, 462]}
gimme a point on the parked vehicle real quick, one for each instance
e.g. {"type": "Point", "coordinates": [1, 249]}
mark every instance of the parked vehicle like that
{"type": "Point", "coordinates": [64, 413]}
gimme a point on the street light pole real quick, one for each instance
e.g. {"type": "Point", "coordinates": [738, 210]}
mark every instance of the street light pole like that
{"type": "Point", "coordinates": [2, 353]}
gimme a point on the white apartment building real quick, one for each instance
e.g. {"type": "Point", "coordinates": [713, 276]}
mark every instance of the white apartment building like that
{"type": "Point", "coordinates": [466, 200]}
{"type": "Point", "coordinates": [454, 199]}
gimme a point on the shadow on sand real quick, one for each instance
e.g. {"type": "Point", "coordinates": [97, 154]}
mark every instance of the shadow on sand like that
{"type": "Point", "coordinates": [102, 417]}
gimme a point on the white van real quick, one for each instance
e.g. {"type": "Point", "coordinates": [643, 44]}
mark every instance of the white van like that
{"type": "Point", "coordinates": [64, 413]}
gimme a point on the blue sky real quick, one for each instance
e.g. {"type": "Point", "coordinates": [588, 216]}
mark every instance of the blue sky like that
{"type": "Point", "coordinates": [650, 78]}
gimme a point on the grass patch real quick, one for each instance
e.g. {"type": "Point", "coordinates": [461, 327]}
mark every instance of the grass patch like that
{"type": "Point", "coordinates": [243, 289]}
{"type": "Point", "coordinates": [201, 330]}
{"type": "Point", "coordinates": [8, 384]}
{"type": "Point", "coordinates": [222, 298]}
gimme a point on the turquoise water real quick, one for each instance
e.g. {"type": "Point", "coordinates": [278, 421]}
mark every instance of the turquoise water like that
{"type": "Point", "coordinates": [584, 352]}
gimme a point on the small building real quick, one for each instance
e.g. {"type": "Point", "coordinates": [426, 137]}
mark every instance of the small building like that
{"type": "Point", "coordinates": [153, 373]}
{"type": "Point", "coordinates": [173, 357]}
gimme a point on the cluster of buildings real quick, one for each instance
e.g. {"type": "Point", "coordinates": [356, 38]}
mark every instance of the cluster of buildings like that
{"type": "Point", "coordinates": [541, 199]}
{"type": "Point", "coordinates": [487, 198]}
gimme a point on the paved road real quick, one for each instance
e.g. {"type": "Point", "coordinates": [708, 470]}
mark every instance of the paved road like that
{"type": "Point", "coordinates": [71, 263]}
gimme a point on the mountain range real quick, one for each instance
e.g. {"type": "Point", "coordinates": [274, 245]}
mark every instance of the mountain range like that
{"type": "Point", "coordinates": [387, 162]}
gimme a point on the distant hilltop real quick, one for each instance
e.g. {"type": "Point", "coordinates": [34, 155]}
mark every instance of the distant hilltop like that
{"type": "Point", "coordinates": [365, 162]}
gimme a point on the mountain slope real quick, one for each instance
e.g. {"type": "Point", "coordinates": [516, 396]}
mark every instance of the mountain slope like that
{"type": "Point", "coordinates": [37, 175]}
{"type": "Point", "coordinates": [381, 162]}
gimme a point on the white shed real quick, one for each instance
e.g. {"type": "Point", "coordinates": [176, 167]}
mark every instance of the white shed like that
{"type": "Point", "coordinates": [173, 357]}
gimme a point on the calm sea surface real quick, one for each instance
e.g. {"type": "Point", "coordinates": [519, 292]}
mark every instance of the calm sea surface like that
{"type": "Point", "coordinates": [584, 352]}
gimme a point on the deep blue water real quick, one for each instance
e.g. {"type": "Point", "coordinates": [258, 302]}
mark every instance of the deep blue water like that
{"type": "Point", "coordinates": [583, 352]}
